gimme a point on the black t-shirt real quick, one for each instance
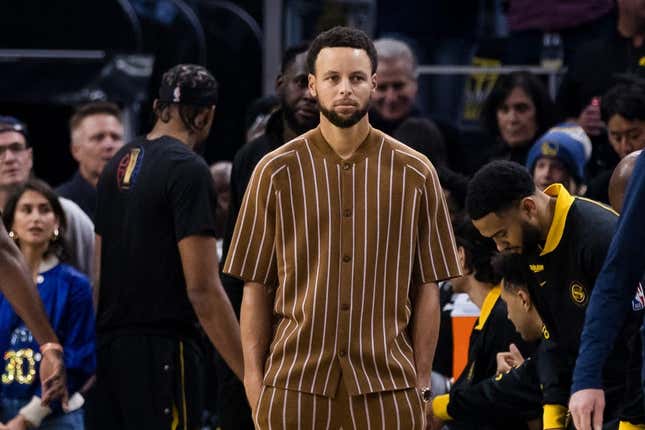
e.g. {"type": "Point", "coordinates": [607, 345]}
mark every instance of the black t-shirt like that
{"type": "Point", "coordinates": [151, 195]}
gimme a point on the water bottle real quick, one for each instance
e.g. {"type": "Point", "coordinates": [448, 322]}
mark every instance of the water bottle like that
{"type": "Point", "coordinates": [552, 51]}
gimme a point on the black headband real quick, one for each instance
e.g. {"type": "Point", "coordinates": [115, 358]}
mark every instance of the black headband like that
{"type": "Point", "coordinates": [187, 95]}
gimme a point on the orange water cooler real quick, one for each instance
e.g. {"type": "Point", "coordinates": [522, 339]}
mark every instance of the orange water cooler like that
{"type": "Point", "coordinates": [463, 316]}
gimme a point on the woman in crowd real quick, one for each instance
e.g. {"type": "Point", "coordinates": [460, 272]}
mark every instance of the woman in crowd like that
{"type": "Point", "coordinates": [35, 220]}
{"type": "Point", "coordinates": [516, 112]}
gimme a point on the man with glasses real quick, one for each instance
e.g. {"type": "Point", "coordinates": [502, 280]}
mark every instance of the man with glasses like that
{"type": "Point", "coordinates": [623, 110]}
{"type": "Point", "coordinates": [16, 161]}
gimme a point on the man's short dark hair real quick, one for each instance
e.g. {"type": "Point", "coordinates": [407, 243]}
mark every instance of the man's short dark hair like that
{"type": "Point", "coordinates": [626, 100]}
{"type": "Point", "coordinates": [514, 268]}
{"type": "Point", "coordinates": [496, 187]}
{"type": "Point", "coordinates": [341, 37]}
{"type": "Point", "coordinates": [93, 108]}
{"type": "Point", "coordinates": [195, 83]}
{"type": "Point", "coordinates": [479, 251]}
{"type": "Point", "coordinates": [290, 55]}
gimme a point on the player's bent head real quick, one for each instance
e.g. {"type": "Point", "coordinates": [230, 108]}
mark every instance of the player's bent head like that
{"type": "Point", "coordinates": [496, 187]}
{"type": "Point", "coordinates": [515, 293]}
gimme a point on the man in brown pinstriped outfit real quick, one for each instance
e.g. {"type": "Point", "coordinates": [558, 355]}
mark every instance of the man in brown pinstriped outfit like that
{"type": "Point", "coordinates": [342, 234]}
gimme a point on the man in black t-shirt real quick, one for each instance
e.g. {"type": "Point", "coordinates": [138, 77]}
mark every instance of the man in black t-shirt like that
{"type": "Point", "coordinates": [158, 267]}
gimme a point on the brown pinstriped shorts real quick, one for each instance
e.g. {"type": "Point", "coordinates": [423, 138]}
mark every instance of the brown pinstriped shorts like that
{"type": "Point", "coordinates": [280, 409]}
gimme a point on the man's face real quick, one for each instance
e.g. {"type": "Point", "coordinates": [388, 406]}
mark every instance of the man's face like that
{"type": "Point", "coordinates": [626, 136]}
{"type": "Point", "coordinates": [510, 230]}
{"type": "Point", "coordinates": [96, 139]}
{"type": "Point", "coordinates": [15, 159]}
{"type": "Point", "coordinates": [396, 88]}
{"type": "Point", "coordinates": [343, 85]}
{"type": "Point", "coordinates": [549, 170]}
{"type": "Point", "coordinates": [516, 309]}
{"type": "Point", "coordinates": [298, 104]}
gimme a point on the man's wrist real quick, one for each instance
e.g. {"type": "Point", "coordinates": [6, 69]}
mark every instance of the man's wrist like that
{"type": "Point", "coordinates": [51, 346]}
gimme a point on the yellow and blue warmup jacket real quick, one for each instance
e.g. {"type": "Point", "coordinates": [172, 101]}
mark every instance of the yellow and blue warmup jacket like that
{"type": "Point", "coordinates": [565, 271]}
{"type": "Point", "coordinates": [468, 404]}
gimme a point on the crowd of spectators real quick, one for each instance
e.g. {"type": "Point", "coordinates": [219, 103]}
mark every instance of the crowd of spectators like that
{"type": "Point", "coordinates": [575, 139]}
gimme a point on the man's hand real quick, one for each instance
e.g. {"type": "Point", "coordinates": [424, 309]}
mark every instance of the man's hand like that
{"type": "Point", "coordinates": [509, 360]}
{"type": "Point", "coordinates": [586, 408]}
{"type": "Point", "coordinates": [17, 423]}
{"type": "Point", "coordinates": [253, 388]}
{"type": "Point", "coordinates": [53, 378]}
{"type": "Point", "coordinates": [590, 119]}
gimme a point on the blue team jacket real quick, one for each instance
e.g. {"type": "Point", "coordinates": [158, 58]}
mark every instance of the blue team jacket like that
{"type": "Point", "coordinates": [67, 297]}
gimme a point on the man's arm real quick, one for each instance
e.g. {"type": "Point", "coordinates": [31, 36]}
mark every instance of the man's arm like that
{"type": "Point", "coordinates": [20, 291]}
{"type": "Point", "coordinates": [615, 287]}
{"type": "Point", "coordinates": [213, 309]}
{"type": "Point", "coordinates": [255, 323]}
{"type": "Point", "coordinates": [426, 315]}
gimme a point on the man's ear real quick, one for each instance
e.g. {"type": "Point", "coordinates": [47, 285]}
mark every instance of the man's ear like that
{"type": "Point", "coordinates": [525, 298]}
{"type": "Point", "coordinates": [528, 207]}
{"type": "Point", "coordinates": [373, 79]}
{"type": "Point", "coordinates": [462, 258]}
{"type": "Point", "coordinates": [279, 83]}
{"type": "Point", "coordinates": [311, 80]}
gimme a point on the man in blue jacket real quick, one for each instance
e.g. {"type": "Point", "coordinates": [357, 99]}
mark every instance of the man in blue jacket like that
{"type": "Point", "coordinates": [613, 296]}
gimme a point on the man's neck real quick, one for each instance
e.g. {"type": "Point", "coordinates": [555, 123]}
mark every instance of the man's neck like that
{"type": "Point", "coordinates": [546, 212]}
{"type": "Point", "coordinates": [344, 141]}
{"type": "Point", "coordinates": [4, 196]}
{"type": "Point", "coordinates": [6, 192]}
{"type": "Point", "coordinates": [169, 129]}
{"type": "Point", "coordinates": [288, 133]}
{"type": "Point", "coordinates": [537, 323]}
{"type": "Point", "coordinates": [89, 178]}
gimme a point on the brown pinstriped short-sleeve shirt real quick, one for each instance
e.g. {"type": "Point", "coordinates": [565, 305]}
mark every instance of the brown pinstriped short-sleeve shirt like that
{"type": "Point", "coordinates": [342, 241]}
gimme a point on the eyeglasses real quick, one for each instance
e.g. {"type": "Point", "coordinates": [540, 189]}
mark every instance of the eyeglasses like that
{"type": "Point", "coordinates": [15, 148]}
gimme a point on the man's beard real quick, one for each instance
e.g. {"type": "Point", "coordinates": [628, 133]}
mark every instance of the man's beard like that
{"type": "Point", "coordinates": [531, 238]}
{"type": "Point", "coordinates": [341, 122]}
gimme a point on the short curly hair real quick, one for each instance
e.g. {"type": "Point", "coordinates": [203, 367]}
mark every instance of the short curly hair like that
{"type": "Point", "coordinates": [496, 187]}
{"type": "Point", "coordinates": [341, 37]}
{"type": "Point", "coordinates": [514, 268]}
{"type": "Point", "coordinates": [187, 76]}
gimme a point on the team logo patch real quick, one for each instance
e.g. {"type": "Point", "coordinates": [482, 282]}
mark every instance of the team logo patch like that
{"type": "Point", "coordinates": [128, 169]}
{"type": "Point", "coordinates": [638, 302]}
{"type": "Point", "coordinates": [549, 149]}
{"type": "Point", "coordinates": [536, 268]}
{"type": "Point", "coordinates": [578, 294]}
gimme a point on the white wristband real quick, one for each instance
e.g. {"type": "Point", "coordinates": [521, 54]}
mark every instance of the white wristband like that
{"type": "Point", "coordinates": [34, 412]}
{"type": "Point", "coordinates": [75, 402]}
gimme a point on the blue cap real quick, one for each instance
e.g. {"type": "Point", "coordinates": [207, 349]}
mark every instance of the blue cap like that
{"type": "Point", "coordinates": [10, 123]}
{"type": "Point", "coordinates": [567, 142]}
